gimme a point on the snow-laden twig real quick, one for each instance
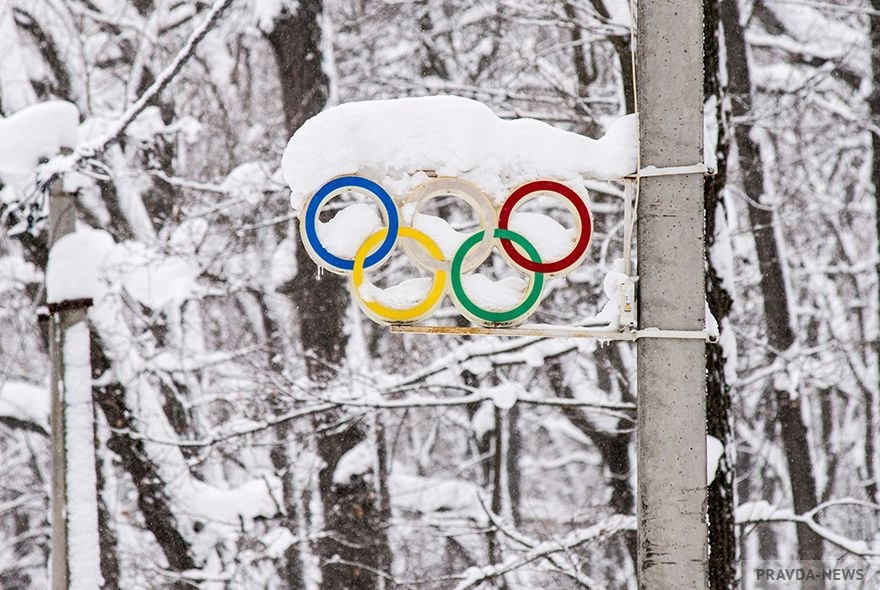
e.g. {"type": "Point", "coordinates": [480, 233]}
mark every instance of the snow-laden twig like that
{"type": "Point", "coordinates": [853, 546]}
{"type": "Point", "coordinates": [325, 404]}
{"type": "Point", "coordinates": [517, 536]}
{"type": "Point", "coordinates": [470, 351]}
{"type": "Point", "coordinates": [617, 409]}
{"type": "Point", "coordinates": [99, 144]}
{"type": "Point", "coordinates": [516, 351]}
{"type": "Point", "coordinates": [250, 428]}
{"type": "Point", "coordinates": [615, 523]}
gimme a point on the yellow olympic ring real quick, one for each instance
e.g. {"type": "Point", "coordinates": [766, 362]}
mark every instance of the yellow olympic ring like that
{"type": "Point", "coordinates": [384, 313]}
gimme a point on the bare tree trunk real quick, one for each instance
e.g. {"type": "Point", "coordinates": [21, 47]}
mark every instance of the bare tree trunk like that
{"type": "Point", "coordinates": [153, 499]}
{"type": "Point", "coordinates": [355, 544]}
{"type": "Point", "coordinates": [721, 495]}
{"type": "Point", "coordinates": [107, 535]}
{"type": "Point", "coordinates": [511, 463]}
{"type": "Point", "coordinates": [620, 43]}
{"type": "Point", "coordinates": [613, 446]}
{"type": "Point", "coordinates": [871, 399]}
{"type": "Point", "coordinates": [498, 492]}
{"type": "Point", "coordinates": [777, 318]}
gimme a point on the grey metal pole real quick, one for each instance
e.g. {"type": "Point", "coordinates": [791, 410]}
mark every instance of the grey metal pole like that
{"type": "Point", "coordinates": [671, 373]}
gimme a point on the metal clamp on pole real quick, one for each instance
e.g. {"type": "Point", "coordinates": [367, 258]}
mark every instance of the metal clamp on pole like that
{"type": "Point", "coordinates": [649, 171]}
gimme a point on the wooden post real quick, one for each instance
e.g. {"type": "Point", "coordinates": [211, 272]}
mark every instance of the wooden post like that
{"type": "Point", "coordinates": [62, 221]}
{"type": "Point", "coordinates": [68, 327]}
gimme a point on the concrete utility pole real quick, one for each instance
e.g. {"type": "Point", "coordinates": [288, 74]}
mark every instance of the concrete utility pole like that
{"type": "Point", "coordinates": [671, 373]}
{"type": "Point", "coordinates": [62, 317]}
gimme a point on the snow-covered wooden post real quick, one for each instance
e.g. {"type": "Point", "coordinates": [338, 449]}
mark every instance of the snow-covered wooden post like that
{"type": "Point", "coordinates": [671, 373]}
{"type": "Point", "coordinates": [62, 220]}
{"type": "Point", "coordinates": [75, 561]}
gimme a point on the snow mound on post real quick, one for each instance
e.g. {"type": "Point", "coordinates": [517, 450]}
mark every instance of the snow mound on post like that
{"type": "Point", "coordinates": [36, 132]}
{"type": "Point", "coordinates": [392, 141]}
{"type": "Point", "coordinates": [74, 265]}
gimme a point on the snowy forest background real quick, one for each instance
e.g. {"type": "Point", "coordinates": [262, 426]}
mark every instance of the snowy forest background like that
{"type": "Point", "coordinates": [253, 430]}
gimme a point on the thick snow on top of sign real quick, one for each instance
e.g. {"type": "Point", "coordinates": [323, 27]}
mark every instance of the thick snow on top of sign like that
{"type": "Point", "coordinates": [36, 132]}
{"type": "Point", "coordinates": [390, 141]}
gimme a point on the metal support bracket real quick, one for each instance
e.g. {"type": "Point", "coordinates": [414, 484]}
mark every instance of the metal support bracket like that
{"type": "Point", "coordinates": [548, 331]}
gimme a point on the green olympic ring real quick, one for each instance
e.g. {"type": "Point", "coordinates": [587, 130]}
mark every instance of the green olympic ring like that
{"type": "Point", "coordinates": [504, 317]}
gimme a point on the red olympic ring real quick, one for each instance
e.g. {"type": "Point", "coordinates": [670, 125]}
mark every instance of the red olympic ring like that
{"type": "Point", "coordinates": [583, 213]}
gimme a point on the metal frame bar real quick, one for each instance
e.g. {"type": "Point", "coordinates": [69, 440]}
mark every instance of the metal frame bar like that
{"type": "Point", "coordinates": [548, 331]}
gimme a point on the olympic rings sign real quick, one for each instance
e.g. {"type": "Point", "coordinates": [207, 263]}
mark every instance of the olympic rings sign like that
{"type": "Point", "coordinates": [448, 275]}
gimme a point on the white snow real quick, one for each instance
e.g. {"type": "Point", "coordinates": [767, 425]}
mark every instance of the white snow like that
{"type": "Point", "coordinates": [391, 141]}
{"type": "Point", "coordinates": [16, 89]}
{"type": "Point", "coordinates": [710, 322]}
{"type": "Point", "coordinates": [619, 12]}
{"type": "Point", "coordinates": [74, 263]}
{"type": "Point", "coordinates": [146, 125]}
{"type": "Point", "coordinates": [79, 435]}
{"type": "Point", "coordinates": [505, 395]}
{"type": "Point", "coordinates": [224, 511]}
{"type": "Point", "coordinates": [614, 278]}
{"type": "Point", "coordinates": [159, 283]}
{"type": "Point", "coordinates": [721, 252]}
{"type": "Point", "coordinates": [404, 295]}
{"type": "Point", "coordinates": [358, 461]}
{"type": "Point", "coordinates": [189, 236]}
{"type": "Point", "coordinates": [257, 497]}
{"type": "Point", "coordinates": [83, 264]}
{"type": "Point", "coordinates": [832, 38]}
{"type": "Point", "coordinates": [283, 264]}
{"type": "Point", "coordinates": [454, 498]}
{"type": "Point", "coordinates": [265, 12]}
{"type": "Point", "coordinates": [16, 272]}
{"type": "Point", "coordinates": [758, 510]}
{"type": "Point", "coordinates": [35, 133]}
{"type": "Point", "coordinates": [348, 229]}
{"type": "Point", "coordinates": [149, 123]}
{"type": "Point", "coordinates": [153, 279]}
{"type": "Point", "coordinates": [277, 541]}
{"type": "Point", "coordinates": [714, 452]}
{"type": "Point", "coordinates": [552, 240]}
{"type": "Point", "coordinates": [483, 420]}
{"type": "Point", "coordinates": [250, 181]}
{"type": "Point", "coordinates": [710, 132]}
{"type": "Point", "coordinates": [494, 295]}
{"type": "Point", "coordinates": [25, 402]}
{"type": "Point", "coordinates": [727, 341]}
{"type": "Point", "coordinates": [438, 229]}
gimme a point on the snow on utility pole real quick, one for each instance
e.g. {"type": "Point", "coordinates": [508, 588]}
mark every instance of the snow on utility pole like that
{"type": "Point", "coordinates": [75, 558]}
{"type": "Point", "coordinates": [671, 373]}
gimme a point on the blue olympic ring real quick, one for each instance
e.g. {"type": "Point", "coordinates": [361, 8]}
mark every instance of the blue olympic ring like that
{"type": "Point", "coordinates": [327, 191]}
